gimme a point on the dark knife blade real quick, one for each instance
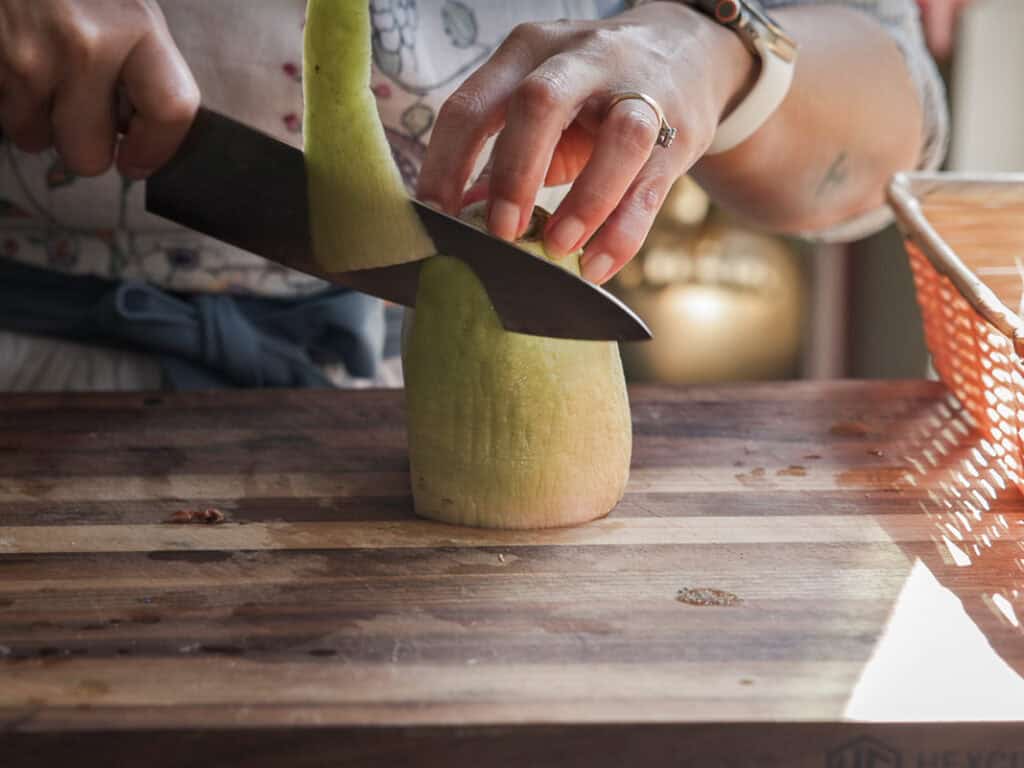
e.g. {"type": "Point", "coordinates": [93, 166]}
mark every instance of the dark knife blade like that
{"type": "Point", "coordinates": [238, 185]}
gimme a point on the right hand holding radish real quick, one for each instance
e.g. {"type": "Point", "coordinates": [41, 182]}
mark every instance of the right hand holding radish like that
{"type": "Point", "coordinates": [62, 64]}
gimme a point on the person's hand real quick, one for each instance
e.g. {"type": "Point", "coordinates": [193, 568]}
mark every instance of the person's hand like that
{"type": "Point", "coordinates": [940, 18]}
{"type": "Point", "coordinates": [547, 90]}
{"type": "Point", "coordinates": [62, 63]}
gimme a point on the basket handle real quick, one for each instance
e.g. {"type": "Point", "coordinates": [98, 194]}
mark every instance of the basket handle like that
{"type": "Point", "coordinates": [916, 227]}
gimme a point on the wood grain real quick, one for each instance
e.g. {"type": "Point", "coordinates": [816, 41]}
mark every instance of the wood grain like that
{"type": "Point", "coordinates": [323, 624]}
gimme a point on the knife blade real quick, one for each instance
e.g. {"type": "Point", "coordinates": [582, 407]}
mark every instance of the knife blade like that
{"type": "Point", "coordinates": [242, 187]}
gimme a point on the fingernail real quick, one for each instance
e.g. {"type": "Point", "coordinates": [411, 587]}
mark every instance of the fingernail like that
{"type": "Point", "coordinates": [503, 220]}
{"type": "Point", "coordinates": [566, 234]}
{"type": "Point", "coordinates": [596, 269]}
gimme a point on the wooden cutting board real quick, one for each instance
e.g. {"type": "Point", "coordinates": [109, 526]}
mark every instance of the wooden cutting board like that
{"type": "Point", "coordinates": [800, 574]}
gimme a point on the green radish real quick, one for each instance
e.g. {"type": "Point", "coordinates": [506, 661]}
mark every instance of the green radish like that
{"type": "Point", "coordinates": [508, 430]}
{"type": "Point", "coordinates": [505, 430]}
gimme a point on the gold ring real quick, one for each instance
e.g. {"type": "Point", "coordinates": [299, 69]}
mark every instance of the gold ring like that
{"type": "Point", "coordinates": [666, 133]}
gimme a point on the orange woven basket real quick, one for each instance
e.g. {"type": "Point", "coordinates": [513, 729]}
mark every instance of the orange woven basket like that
{"type": "Point", "coordinates": [965, 239]}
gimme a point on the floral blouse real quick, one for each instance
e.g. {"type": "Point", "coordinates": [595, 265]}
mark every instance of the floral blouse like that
{"type": "Point", "coordinates": [246, 57]}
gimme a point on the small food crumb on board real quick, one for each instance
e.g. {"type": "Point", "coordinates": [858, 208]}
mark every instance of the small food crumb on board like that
{"type": "Point", "coordinates": [706, 596]}
{"type": "Point", "coordinates": [208, 516]}
{"type": "Point", "coordinates": [849, 429]}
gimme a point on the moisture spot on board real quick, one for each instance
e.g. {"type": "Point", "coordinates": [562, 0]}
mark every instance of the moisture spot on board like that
{"type": "Point", "coordinates": [756, 476]}
{"type": "Point", "coordinates": [873, 478]}
{"type": "Point", "coordinates": [323, 652]}
{"type": "Point", "coordinates": [793, 470]}
{"type": "Point", "coordinates": [849, 429]}
{"type": "Point", "coordinates": [705, 597]}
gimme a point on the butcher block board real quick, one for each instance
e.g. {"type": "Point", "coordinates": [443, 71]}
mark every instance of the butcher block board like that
{"type": "Point", "coordinates": [798, 575]}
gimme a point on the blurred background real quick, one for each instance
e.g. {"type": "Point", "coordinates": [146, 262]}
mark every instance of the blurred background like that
{"type": "Point", "coordinates": [730, 304]}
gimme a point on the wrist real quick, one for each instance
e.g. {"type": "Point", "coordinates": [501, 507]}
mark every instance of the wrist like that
{"type": "Point", "coordinates": [744, 88]}
{"type": "Point", "coordinates": [733, 68]}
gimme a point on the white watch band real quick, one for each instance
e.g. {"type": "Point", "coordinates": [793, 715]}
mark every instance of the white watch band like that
{"type": "Point", "coordinates": [764, 98]}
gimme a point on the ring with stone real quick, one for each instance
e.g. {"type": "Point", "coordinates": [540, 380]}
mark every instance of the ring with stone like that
{"type": "Point", "coordinates": [666, 133]}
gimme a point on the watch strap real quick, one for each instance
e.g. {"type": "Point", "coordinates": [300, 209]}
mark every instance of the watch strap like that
{"type": "Point", "coordinates": [759, 104]}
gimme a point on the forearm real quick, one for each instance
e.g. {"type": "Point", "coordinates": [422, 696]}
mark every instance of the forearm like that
{"type": "Point", "coordinates": [852, 119]}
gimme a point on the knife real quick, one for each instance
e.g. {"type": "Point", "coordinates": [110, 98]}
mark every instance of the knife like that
{"type": "Point", "coordinates": [238, 185]}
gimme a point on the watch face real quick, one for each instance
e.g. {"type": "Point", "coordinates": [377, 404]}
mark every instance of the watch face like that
{"type": "Point", "coordinates": [729, 11]}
